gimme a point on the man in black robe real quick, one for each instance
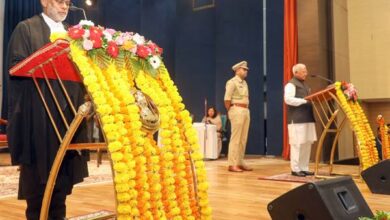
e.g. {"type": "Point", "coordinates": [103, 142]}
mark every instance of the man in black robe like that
{"type": "Point", "coordinates": [32, 140]}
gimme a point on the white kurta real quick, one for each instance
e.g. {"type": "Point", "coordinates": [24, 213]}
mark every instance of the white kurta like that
{"type": "Point", "coordinates": [301, 135]}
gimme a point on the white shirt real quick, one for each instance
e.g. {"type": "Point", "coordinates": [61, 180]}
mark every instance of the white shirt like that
{"type": "Point", "coordinates": [54, 26]}
{"type": "Point", "coordinates": [289, 96]}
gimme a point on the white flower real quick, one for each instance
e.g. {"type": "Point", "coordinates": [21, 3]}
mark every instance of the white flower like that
{"type": "Point", "coordinates": [155, 62]}
{"type": "Point", "coordinates": [138, 39]}
{"type": "Point", "coordinates": [128, 36]}
{"type": "Point", "coordinates": [107, 35]}
{"type": "Point", "coordinates": [86, 34]}
{"type": "Point", "coordinates": [86, 22]}
{"type": "Point", "coordinates": [87, 44]}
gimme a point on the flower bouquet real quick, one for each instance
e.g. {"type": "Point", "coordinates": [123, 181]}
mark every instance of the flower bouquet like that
{"type": "Point", "coordinates": [150, 181]}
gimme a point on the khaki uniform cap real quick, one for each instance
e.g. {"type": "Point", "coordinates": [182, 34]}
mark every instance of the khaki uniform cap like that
{"type": "Point", "coordinates": [242, 64]}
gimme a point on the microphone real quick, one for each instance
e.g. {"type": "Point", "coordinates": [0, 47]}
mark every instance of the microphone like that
{"type": "Point", "coordinates": [75, 8]}
{"type": "Point", "coordinates": [321, 77]}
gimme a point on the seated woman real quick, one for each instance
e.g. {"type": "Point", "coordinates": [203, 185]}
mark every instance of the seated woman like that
{"type": "Point", "coordinates": [213, 117]}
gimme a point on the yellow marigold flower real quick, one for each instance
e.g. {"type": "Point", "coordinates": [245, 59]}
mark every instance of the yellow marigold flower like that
{"type": "Point", "coordinates": [203, 186]}
{"type": "Point", "coordinates": [112, 136]}
{"type": "Point", "coordinates": [114, 146]}
{"type": "Point", "coordinates": [93, 87]}
{"type": "Point", "coordinates": [128, 45]}
{"type": "Point", "coordinates": [165, 133]}
{"type": "Point", "coordinates": [175, 211]}
{"type": "Point", "coordinates": [58, 35]}
{"type": "Point", "coordinates": [122, 187]}
{"type": "Point", "coordinates": [132, 174]}
{"type": "Point", "coordinates": [166, 142]}
{"type": "Point", "coordinates": [130, 163]}
{"type": "Point", "coordinates": [120, 167]}
{"type": "Point", "coordinates": [155, 159]}
{"type": "Point", "coordinates": [138, 151]}
{"type": "Point", "coordinates": [136, 125]}
{"type": "Point", "coordinates": [123, 197]}
{"type": "Point", "coordinates": [156, 188]}
{"type": "Point", "coordinates": [121, 178]}
{"type": "Point", "coordinates": [168, 156]}
{"type": "Point", "coordinates": [124, 209]}
{"type": "Point", "coordinates": [108, 119]}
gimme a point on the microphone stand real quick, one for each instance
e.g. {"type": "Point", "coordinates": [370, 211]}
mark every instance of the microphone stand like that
{"type": "Point", "coordinates": [323, 78]}
{"type": "Point", "coordinates": [205, 128]}
{"type": "Point", "coordinates": [74, 8]}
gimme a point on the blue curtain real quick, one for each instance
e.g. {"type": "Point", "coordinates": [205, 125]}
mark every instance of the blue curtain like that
{"type": "Point", "coordinates": [14, 12]}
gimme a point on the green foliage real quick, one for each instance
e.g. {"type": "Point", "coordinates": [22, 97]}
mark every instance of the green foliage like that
{"type": "Point", "coordinates": [379, 215]}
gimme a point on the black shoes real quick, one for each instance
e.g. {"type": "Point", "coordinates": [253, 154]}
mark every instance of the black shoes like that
{"type": "Point", "coordinates": [308, 173]}
{"type": "Point", "coordinates": [300, 174]}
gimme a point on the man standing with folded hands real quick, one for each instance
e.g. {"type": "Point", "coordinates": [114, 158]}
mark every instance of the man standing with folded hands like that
{"type": "Point", "coordinates": [237, 103]}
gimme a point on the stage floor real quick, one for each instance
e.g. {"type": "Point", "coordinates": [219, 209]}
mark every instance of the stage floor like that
{"type": "Point", "coordinates": [233, 196]}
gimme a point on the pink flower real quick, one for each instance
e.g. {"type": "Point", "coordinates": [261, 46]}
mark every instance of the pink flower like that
{"type": "Point", "coordinates": [119, 40]}
{"type": "Point", "coordinates": [112, 49]}
{"type": "Point", "coordinates": [153, 47]}
{"type": "Point", "coordinates": [87, 44]}
{"type": "Point", "coordinates": [111, 31]}
{"type": "Point", "coordinates": [143, 51]}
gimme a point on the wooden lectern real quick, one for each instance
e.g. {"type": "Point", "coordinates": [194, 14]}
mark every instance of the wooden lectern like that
{"type": "Point", "coordinates": [52, 62]}
{"type": "Point", "coordinates": [327, 107]}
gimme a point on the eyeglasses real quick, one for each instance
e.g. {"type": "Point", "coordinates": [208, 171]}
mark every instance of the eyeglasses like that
{"type": "Point", "coordinates": [66, 2]}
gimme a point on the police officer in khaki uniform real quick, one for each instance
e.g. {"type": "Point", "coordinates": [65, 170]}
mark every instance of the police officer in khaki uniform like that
{"type": "Point", "coordinates": [237, 103]}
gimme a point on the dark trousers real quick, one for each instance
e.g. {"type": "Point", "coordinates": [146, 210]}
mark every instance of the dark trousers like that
{"type": "Point", "coordinates": [57, 210]}
{"type": "Point", "coordinates": [32, 189]}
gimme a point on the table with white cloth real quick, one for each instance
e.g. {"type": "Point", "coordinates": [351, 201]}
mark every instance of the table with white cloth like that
{"type": "Point", "coordinates": [208, 141]}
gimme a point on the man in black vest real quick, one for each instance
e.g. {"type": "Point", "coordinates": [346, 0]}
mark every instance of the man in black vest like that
{"type": "Point", "coordinates": [300, 118]}
{"type": "Point", "coordinates": [32, 141]}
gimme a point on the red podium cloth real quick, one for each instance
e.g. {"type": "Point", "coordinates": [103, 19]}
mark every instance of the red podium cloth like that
{"type": "Point", "coordinates": [58, 53]}
{"type": "Point", "coordinates": [3, 137]}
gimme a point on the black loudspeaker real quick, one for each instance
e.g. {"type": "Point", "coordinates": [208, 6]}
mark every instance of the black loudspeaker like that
{"type": "Point", "coordinates": [377, 177]}
{"type": "Point", "coordinates": [334, 199]}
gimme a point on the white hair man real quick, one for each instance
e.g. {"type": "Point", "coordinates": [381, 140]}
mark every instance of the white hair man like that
{"type": "Point", "coordinates": [300, 118]}
{"type": "Point", "coordinates": [32, 141]}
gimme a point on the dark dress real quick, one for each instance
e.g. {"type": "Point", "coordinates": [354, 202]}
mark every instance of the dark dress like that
{"type": "Point", "coordinates": [32, 140]}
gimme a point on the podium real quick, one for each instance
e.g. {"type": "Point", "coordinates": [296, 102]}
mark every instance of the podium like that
{"type": "Point", "coordinates": [333, 110]}
{"type": "Point", "coordinates": [52, 62]}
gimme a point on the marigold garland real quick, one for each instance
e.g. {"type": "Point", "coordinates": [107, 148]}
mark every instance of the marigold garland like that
{"type": "Point", "coordinates": [150, 182]}
{"type": "Point", "coordinates": [365, 136]}
{"type": "Point", "coordinates": [384, 134]}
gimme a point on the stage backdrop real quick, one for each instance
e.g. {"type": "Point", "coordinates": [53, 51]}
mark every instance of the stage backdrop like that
{"type": "Point", "coordinates": [200, 46]}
